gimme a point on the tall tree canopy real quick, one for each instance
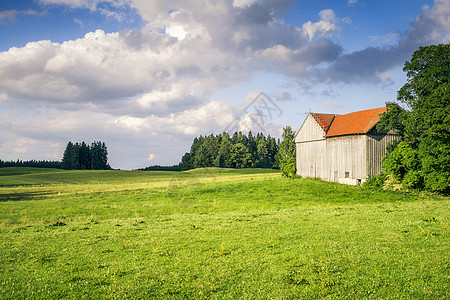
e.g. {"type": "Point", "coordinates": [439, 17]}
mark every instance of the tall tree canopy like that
{"type": "Point", "coordinates": [80, 156]}
{"type": "Point", "coordinates": [286, 153]}
{"type": "Point", "coordinates": [237, 151]}
{"type": "Point", "coordinates": [422, 158]}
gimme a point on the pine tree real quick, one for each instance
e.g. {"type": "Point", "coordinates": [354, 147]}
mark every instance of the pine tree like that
{"type": "Point", "coordinates": [262, 151]}
{"type": "Point", "coordinates": [240, 156]}
{"type": "Point", "coordinates": [80, 156]}
{"type": "Point", "coordinates": [273, 151]}
{"type": "Point", "coordinates": [223, 156]}
{"type": "Point", "coordinates": [186, 162]}
{"type": "Point", "coordinates": [252, 148]}
{"type": "Point", "coordinates": [67, 156]}
{"type": "Point", "coordinates": [238, 151]}
{"type": "Point", "coordinates": [84, 156]}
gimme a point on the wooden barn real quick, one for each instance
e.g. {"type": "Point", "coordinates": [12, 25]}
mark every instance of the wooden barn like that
{"type": "Point", "coordinates": [344, 148]}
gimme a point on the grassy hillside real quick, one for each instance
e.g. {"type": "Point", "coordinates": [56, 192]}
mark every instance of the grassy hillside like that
{"type": "Point", "coordinates": [215, 233]}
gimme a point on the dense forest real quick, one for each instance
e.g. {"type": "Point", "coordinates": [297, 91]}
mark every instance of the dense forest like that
{"type": "Point", "coordinates": [80, 156]}
{"type": "Point", "coordinates": [77, 156]}
{"type": "Point", "coordinates": [237, 151]}
{"type": "Point", "coordinates": [31, 163]}
{"type": "Point", "coordinates": [161, 168]}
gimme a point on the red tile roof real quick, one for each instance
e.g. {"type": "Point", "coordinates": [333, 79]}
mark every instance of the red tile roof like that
{"type": "Point", "coordinates": [359, 122]}
{"type": "Point", "coordinates": [324, 120]}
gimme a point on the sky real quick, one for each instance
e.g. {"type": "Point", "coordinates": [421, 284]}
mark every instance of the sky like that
{"type": "Point", "coordinates": [147, 76]}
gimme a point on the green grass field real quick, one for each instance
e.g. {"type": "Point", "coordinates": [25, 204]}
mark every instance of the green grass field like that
{"type": "Point", "coordinates": [216, 233]}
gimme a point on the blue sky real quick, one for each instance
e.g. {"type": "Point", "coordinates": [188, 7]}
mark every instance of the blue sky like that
{"type": "Point", "coordinates": [147, 77]}
{"type": "Point", "coordinates": [54, 22]}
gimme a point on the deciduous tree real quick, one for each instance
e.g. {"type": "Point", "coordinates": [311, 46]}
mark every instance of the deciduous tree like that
{"type": "Point", "coordinates": [425, 123]}
{"type": "Point", "coordinates": [286, 153]}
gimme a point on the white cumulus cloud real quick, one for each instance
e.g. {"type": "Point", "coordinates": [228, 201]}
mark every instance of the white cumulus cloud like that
{"type": "Point", "coordinates": [327, 26]}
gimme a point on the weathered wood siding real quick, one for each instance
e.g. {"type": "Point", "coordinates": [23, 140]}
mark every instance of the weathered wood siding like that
{"type": "Point", "coordinates": [346, 157]}
{"type": "Point", "coordinates": [310, 149]}
{"type": "Point", "coordinates": [311, 159]}
{"type": "Point", "coordinates": [376, 150]}
{"type": "Point", "coordinates": [310, 131]}
{"type": "Point", "coordinates": [334, 159]}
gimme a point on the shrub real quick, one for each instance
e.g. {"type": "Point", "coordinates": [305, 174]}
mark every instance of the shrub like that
{"type": "Point", "coordinates": [413, 180]}
{"type": "Point", "coordinates": [375, 181]}
{"type": "Point", "coordinates": [288, 168]}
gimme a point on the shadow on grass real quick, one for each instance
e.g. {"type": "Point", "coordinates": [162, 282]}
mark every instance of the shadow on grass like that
{"type": "Point", "coordinates": [22, 196]}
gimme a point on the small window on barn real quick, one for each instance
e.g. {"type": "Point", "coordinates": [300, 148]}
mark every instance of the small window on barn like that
{"type": "Point", "coordinates": [347, 174]}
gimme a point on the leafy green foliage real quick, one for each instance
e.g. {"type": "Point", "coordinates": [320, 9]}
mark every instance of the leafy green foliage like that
{"type": "Point", "coordinates": [423, 159]}
{"type": "Point", "coordinates": [393, 119]}
{"type": "Point", "coordinates": [286, 153]}
{"type": "Point", "coordinates": [375, 181]}
{"type": "Point", "coordinates": [401, 160]}
{"type": "Point", "coordinates": [434, 154]}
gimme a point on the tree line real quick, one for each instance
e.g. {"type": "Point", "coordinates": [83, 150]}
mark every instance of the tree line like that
{"type": "Point", "coordinates": [31, 164]}
{"type": "Point", "coordinates": [161, 168]}
{"type": "Point", "coordinates": [236, 151]}
{"type": "Point", "coordinates": [81, 156]}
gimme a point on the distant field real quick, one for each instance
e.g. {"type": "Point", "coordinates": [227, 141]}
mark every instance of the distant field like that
{"type": "Point", "coordinates": [216, 233]}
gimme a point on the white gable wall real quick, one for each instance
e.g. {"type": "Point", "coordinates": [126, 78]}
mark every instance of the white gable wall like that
{"type": "Point", "coordinates": [310, 149]}
{"type": "Point", "coordinates": [310, 131]}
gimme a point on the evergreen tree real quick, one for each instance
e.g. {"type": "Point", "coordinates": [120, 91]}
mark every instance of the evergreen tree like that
{"type": "Point", "coordinates": [262, 153]}
{"type": "Point", "coordinates": [238, 151]}
{"type": "Point", "coordinates": [32, 163]}
{"type": "Point", "coordinates": [212, 149]}
{"type": "Point", "coordinates": [75, 157]}
{"type": "Point", "coordinates": [234, 138]}
{"type": "Point", "coordinates": [186, 162]}
{"type": "Point", "coordinates": [195, 148]}
{"type": "Point", "coordinates": [67, 156]}
{"type": "Point", "coordinates": [80, 156]}
{"type": "Point", "coordinates": [96, 155]}
{"type": "Point", "coordinates": [223, 156]}
{"type": "Point", "coordinates": [84, 157]}
{"type": "Point", "coordinates": [273, 151]}
{"type": "Point", "coordinates": [252, 148]}
{"type": "Point", "coordinates": [99, 156]}
{"type": "Point", "coordinates": [240, 156]}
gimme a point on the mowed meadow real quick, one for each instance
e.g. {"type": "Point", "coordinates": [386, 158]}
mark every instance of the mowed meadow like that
{"type": "Point", "coordinates": [216, 234]}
